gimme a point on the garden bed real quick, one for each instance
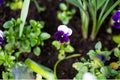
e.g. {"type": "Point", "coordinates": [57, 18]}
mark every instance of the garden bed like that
{"type": "Point", "coordinates": [49, 54]}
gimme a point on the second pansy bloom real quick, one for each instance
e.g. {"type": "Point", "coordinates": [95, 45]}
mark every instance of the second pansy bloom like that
{"type": "Point", "coordinates": [116, 18]}
{"type": "Point", "coordinates": [63, 33]}
{"type": "Point", "coordinates": [1, 1]}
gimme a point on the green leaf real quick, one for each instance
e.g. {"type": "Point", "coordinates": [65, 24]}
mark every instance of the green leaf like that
{"type": "Point", "coordinates": [63, 6]}
{"type": "Point", "coordinates": [117, 52]}
{"type": "Point", "coordinates": [17, 54]}
{"type": "Point", "coordinates": [33, 42]}
{"type": "Point", "coordinates": [80, 67]}
{"type": "Point", "coordinates": [40, 24]}
{"type": "Point", "coordinates": [11, 58]}
{"type": "Point", "coordinates": [73, 2]}
{"type": "Point", "coordinates": [11, 39]}
{"type": "Point", "coordinates": [78, 76]}
{"type": "Point", "coordinates": [8, 46]}
{"type": "Point", "coordinates": [2, 56]}
{"type": "Point", "coordinates": [44, 36]}
{"type": "Point", "coordinates": [40, 69]}
{"type": "Point", "coordinates": [101, 77]}
{"type": "Point", "coordinates": [23, 15]}
{"type": "Point", "coordinates": [116, 39]}
{"type": "Point", "coordinates": [32, 35]}
{"type": "Point", "coordinates": [1, 62]}
{"type": "Point", "coordinates": [56, 44]}
{"type": "Point", "coordinates": [106, 71]}
{"type": "Point", "coordinates": [99, 3]}
{"type": "Point", "coordinates": [98, 46]}
{"type": "Point", "coordinates": [92, 54]}
{"type": "Point", "coordinates": [8, 24]}
{"type": "Point", "coordinates": [37, 31]}
{"type": "Point", "coordinates": [37, 51]}
{"type": "Point", "coordinates": [69, 49]}
{"type": "Point", "coordinates": [77, 65]}
{"type": "Point", "coordinates": [5, 75]}
{"type": "Point", "coordinates": [33, 23]}
{"type": "Point", "coordinates": [25, 46]}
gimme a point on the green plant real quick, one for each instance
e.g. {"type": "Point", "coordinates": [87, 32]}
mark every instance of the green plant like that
{"type": "Point", "coordinates": [96, 64]}
{"type": "Point", "coordinates": [39, 8]}
{"type": "Point", "coordinates": [63, 49]}
{"type": "Point", "coordinates": [64, 15]}
{"type": "Point", "coordinates": [16, 4]}
{"type": "Point", "coordinates": [20, 38]}
{"type": "Point", "coordinates": [31, 38]}
{"type": "Point", "coordinates": [30, 41]}
{"type": "Point", "coordinates": [8, 59]}
{"type": "Point", "coordinates": [41, 70]}
{"type": "Point", "coordinates": [62, 44]}
{"type": "Point", "coordinates": [104, 6]}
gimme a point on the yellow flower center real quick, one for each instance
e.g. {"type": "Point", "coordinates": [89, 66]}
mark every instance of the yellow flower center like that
{"type": "Point", "coordinates": [114, 65]}
{"type": "Point", "coordinates": [118, 21]}
{"type": "Point", "coordinates": [62, 36]}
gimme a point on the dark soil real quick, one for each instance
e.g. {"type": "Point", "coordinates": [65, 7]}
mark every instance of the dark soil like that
{"type": "Point", "coordinates": [49, 54]}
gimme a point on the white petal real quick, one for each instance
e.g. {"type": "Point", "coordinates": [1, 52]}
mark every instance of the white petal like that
{"type": "Point", "coordinates": [69, 31]}
{"type": "Point", "coordinates": [63, 28]}
{"type": "Point", "coordinates": [89, 76]}
{"type": "Point", "coordinates": [1, 34]}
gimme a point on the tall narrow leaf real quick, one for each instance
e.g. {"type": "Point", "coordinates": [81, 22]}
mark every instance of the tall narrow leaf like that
{"type": "Point", "coordinates": [23, 15]}
{"type": "Point", "coordinates": [40, 69]}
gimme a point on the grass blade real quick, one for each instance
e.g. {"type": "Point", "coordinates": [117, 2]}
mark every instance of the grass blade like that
{"type": "Point", "coordinates": [23, 16]}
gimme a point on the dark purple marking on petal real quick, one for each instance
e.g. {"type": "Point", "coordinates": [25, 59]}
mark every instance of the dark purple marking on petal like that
{"type": "Point", "coordinates": [116, 16]}
{"type": "Point", "coordinates": [116, 25]}
{"type": "Point", "coordinates": [1, 1]}
{"type": "Point", "coordinates": [61, 36]}
{"type": "Point", "coordinates": [101, 57]}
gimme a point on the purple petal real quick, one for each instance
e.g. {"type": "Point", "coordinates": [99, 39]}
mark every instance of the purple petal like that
{"type": "Point", "coordinates": [1, 39]}
{"type": "Point", "coordinates": [101, 57]}
{"type": "Point", "coordinates": [116, 16]}
{"type": "Point", "coordinates": [61, 37]}
{"type": "Point", "coordinates": [1, 42]}
{"type": "Point", "coordinates": [1, 1]}
{"type": "Point", "coordinates": [116, 25]}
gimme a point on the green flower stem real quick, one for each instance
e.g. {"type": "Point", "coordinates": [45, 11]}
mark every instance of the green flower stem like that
{"type": "Point", "coordinates": [55, 67]}
{"type": "Point", "coordinates": [38, 7]}
{"type": "Point", "coordinates": [68, 57]}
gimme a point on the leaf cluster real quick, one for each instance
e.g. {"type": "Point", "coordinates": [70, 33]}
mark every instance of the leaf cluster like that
{"type": "Point", "coordinates": [96, 66]}
{"type": "Point", "coordinates": [64, 14]}
{"type": "Point", "coordinates": [32, 37]}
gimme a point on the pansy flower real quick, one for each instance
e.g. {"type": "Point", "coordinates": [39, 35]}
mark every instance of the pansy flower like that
{"type": "Point", "coordinates": [101, 57]}
{"type": "Point", "coordinates": [1, 1]}
{"type": "Point", "coordinates": [116, 18]}
{"type": "Point", "coordinates": [63, 33]}
{"type": "Point", "coordinates": [1, 38]}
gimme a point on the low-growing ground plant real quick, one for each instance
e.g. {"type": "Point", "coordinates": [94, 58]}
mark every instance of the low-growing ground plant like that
{"type": "Point", "coordinates": [99, 64]}
{"type": "Point", "coordinates": [62, 44]}
{"type": "Point", "coordinates": [64, 14]}
{"type": "Point", "coordinates": [32, 36]}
